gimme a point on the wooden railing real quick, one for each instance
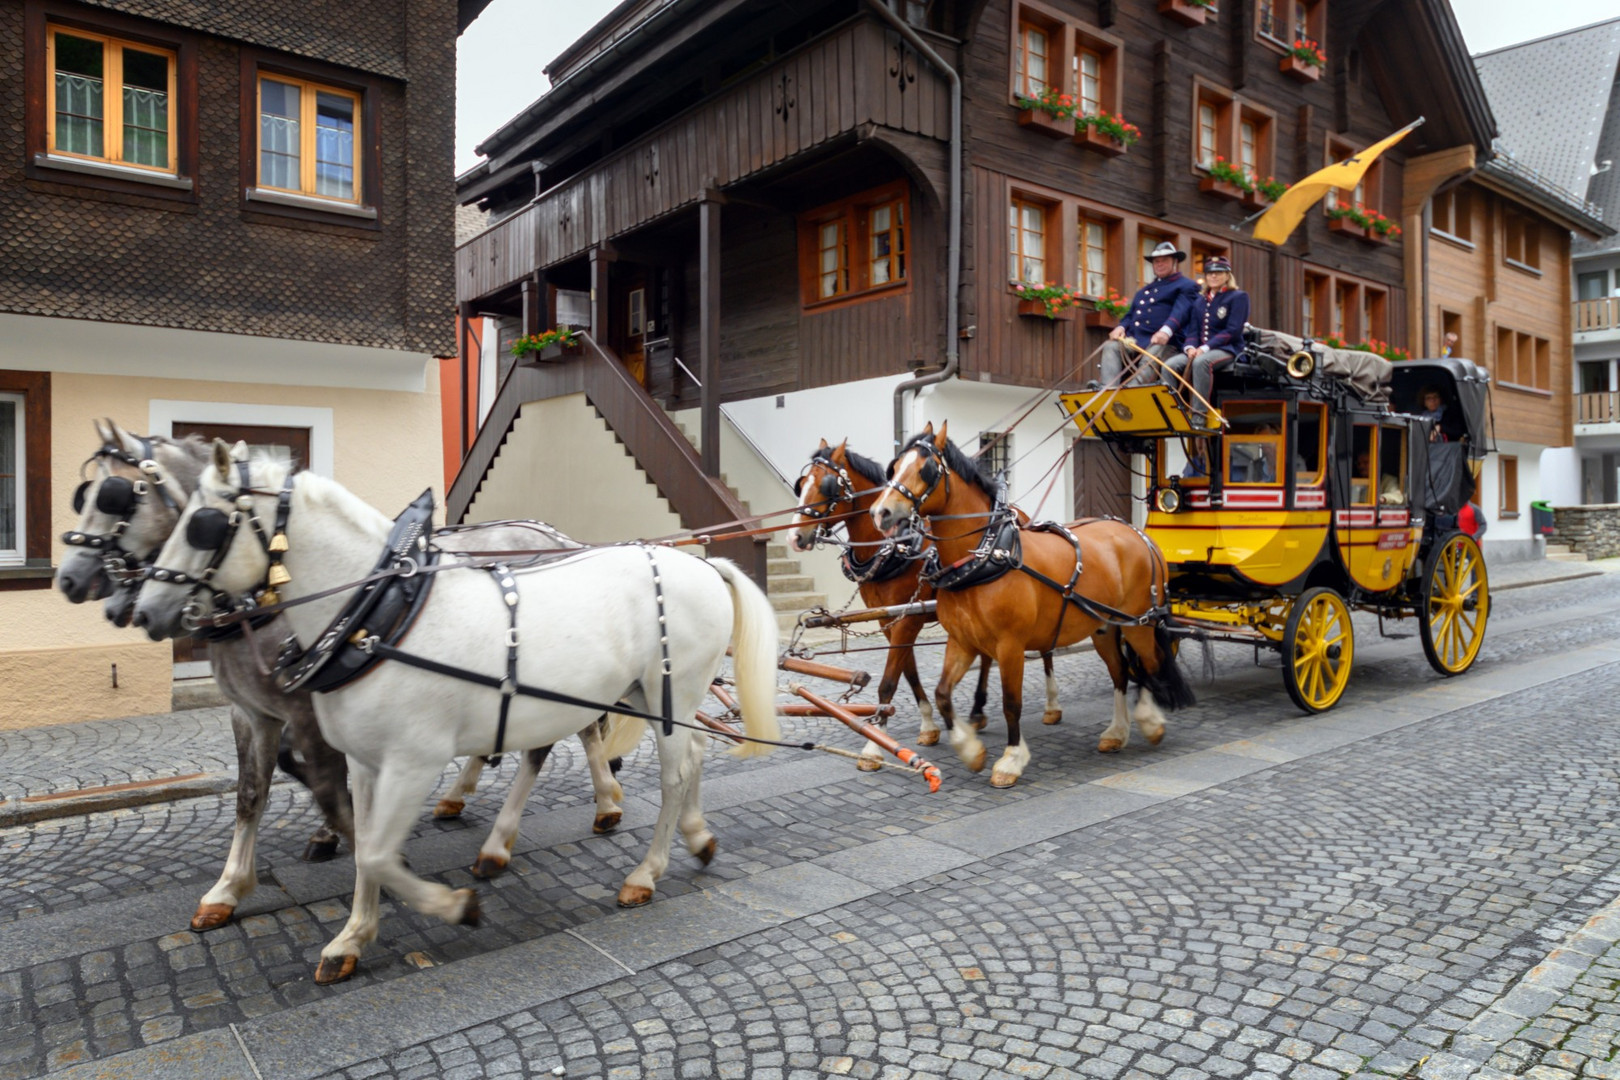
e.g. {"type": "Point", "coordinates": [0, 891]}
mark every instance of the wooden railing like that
{"type": "Point", "coordinates": [1598, 408]}
{"type": "Point", "coordinates": [652, 438]}
{"type": "Point", "coordinates": [1600, 314]}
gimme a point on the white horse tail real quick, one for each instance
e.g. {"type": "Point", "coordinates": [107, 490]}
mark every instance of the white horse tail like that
{"type": "Point", "coordinates": [753, 647]}
{"type": "Point", "coordinates": [621, 734]}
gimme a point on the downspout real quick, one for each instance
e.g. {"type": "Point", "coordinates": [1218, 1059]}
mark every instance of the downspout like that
{"type": "Point", "coordinates": [953, 270]}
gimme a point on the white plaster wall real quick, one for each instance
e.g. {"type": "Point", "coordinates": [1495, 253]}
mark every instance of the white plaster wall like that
{"type": "Point", "coordinates": [561, 464]}
{"type": "Point", "coordinates": [1514, 529]}
{"type": "Point", "coordinates": [971, 408]}
{"type": "Point", "coordinates": [1560, 476]}
{"type": "Point", "coordinates": [862, 412]}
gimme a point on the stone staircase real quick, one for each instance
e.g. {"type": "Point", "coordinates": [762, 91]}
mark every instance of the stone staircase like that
{"type": "Point", "coordinates": [1564, 553]}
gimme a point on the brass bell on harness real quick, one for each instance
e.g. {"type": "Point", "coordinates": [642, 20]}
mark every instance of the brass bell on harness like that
{"type": "Point", "coordinates": [277, 576]}
{"type": "Point", "coordinates": [278, 542]}
{"type": "Point", "coordinates": [268, 597]}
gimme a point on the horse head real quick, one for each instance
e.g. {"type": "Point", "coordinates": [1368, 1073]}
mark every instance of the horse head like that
{"type": "Point", "coordinates": [916, 484]}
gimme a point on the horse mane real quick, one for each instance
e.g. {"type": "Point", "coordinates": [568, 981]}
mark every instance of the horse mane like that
{"type": "Point", "coordinates": [865, 466]}
{"type": "Point", "coordinates": [962, 465]}
{"type": "Point", "coordinates": [192, 457]}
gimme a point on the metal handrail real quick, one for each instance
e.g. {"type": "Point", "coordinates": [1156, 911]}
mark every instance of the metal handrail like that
{"type": "Point", "coordinates": [769, 464]}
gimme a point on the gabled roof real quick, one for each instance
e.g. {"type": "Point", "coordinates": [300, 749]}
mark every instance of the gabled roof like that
{"type": "Point", "coordinates": [1550, 97]}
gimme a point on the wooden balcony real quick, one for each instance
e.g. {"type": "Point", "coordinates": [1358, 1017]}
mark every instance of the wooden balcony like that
{"type": "Point", "coordinates": [845, 81]}
{"type": "Point", "coordinates": [1598, 408]}
{"type": "Point", "coordinates": [1596, 316]}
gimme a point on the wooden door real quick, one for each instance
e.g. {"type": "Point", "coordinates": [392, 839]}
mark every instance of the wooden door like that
{"type": "Point", "coordinates": [630, 316]}
{"type": "Point", "coordinates": [289, 442]}
{"type": "Point", "coordinates": [1102, 481]}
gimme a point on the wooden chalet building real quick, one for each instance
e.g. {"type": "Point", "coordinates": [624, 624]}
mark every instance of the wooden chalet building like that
{"type": "Point", "coordinates": [750, 207]}
{"type": "Point", "coordinates": [217, 218]}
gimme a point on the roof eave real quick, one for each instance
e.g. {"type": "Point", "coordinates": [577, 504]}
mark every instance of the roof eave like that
{"type": "Point", "coordinates": [1563, 213]}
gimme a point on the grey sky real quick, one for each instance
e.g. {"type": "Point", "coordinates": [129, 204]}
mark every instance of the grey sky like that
{"type": "Point", "coordinates": [500, 56]}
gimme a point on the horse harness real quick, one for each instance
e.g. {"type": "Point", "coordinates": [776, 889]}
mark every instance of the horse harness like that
{"type": "Point", "coordinates": [121, 498]}
{"type": "Point", "coordinates": [889, 561]}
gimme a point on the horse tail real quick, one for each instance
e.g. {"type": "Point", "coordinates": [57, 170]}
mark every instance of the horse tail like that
{"type": "Point", "coordinates": [754, 638]}
{"type": "Point", "coordinates": [1166, 683]}
{"type": "Point", "coordinates": [621, 734]}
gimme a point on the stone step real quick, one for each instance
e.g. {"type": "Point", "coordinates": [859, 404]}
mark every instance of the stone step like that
{"type": "Point", "coordinates": [796, 601]}
{"type": "Point", "coordinates": [790, 583]}
{"type": "Point", "coordinates": [781, 566]}
{"type": "Point", "coordinates": [1567, 556]}
{"type": "Point", "coordinates": [776, 551]}
{"type": "Point", "coordinates": [1558, 549]}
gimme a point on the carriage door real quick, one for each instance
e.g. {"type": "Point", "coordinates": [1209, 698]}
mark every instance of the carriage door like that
{"type": "Point", "coordinates": [1398, 490]}
{"type": "Point", "coordinates": [292, 443]}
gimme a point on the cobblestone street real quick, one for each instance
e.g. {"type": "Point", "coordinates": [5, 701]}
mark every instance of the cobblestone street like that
{"type": "Point", "coordinates": [1423, 882]}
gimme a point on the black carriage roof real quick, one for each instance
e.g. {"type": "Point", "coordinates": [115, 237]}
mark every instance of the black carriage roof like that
{"type": "Point", "coordinates": [1458, 380]}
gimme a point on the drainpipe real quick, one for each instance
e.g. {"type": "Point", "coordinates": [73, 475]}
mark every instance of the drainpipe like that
{"type": "Point", "coordinates": [953, 271]}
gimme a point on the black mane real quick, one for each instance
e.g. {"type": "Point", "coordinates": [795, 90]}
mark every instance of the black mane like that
{"type": "Point", "coordinates": [959, 463]}
{"type": "Point", "coordinates": [865, 466]}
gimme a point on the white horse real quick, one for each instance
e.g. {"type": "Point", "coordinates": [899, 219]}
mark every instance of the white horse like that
{"type": "Point", "coordinates": [260, 712]}
{"type": "Point", "coordinates": [590, 625]}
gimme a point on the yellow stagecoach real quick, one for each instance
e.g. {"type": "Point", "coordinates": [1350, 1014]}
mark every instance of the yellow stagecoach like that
{"type": "Point", "coordinates": [1316, 489]}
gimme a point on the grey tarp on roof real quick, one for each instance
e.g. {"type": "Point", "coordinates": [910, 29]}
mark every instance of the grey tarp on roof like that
{"type": "Point", "coordinates": [1367, 374]}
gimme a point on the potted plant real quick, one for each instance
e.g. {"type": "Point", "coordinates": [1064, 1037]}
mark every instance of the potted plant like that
{"type": "Point", "coordinates": [1226, 180]}
{"type": "Point", "coordinates": [1048, 301]}
{"type": "Point", "coordinates": [1051, 112]}
{"type": "Point", "coordinates": [1108, 309]}
{"type": "Point", "coordinates": [1108, 134]}
{"type": "Point", "coordinates": [1304, 61]}
{"type": "Point", "coordinates": [550, 345]}
{"type": "Point", "coordinates": [1380, 229]}
{"type": "Point", "coordinates": [1265, 192]}
{"type": "Point", "coordinates": [1348, 220]}
{"type": "Point", "coordinates": [1187, 12]}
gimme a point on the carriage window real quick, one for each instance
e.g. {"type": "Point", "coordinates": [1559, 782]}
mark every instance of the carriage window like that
{"type": "Point", "coordinates": [1186, 460]}
{"type": "Point", "coordinates": [1362, 442]}
{"type": "Point", "coordinates": [1392, 467]}
{"type": "Point", "coordinates": [1254, 442]}
{"type": "Point", "coordinates": [1308, 444]}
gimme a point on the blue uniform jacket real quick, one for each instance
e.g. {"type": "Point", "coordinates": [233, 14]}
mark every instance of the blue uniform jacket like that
{"type": "Point", "coordinates": [1161, 302]}
{"type": "Point", "coordinates": [1217, 321]}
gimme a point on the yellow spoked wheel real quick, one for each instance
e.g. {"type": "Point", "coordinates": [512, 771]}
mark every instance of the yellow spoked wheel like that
{"type": "Point", "coordinates": [1456, 604]}
{"type": "Point", "coordinates": [1319, 645]}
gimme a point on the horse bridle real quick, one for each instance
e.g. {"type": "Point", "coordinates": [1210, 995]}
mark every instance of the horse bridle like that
{"type": "Point", "coordinates": [941, 474]}
{"type": "Point", "coordinates": [122, 498]}
{"type": "Point", "coordinates": [835, 490]}
{"type": "Point", "coordinates": [212, 529]}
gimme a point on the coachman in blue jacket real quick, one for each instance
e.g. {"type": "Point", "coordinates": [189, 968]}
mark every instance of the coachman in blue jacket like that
{"type": "Point", "coordinates": [1158, 318]}
{"type": "Point", "coordinates": [1215, 335]}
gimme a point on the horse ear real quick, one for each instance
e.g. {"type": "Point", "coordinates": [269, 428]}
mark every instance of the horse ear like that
{"type": "Point", "coordinates": [239, 452]}
{"type": "Point", "coordinates": [940, 440]}
{"type": "Point", "coordinates": [122, 438]}
{"type": "Point", "coordinates": [842, 450]}
{"type": "Point", "coordinates": [928, 429]}
{"type": "Point", "coordinates": [222, 458]}
{"type": "Point", "coordinates": [823, 445]}
{"type": "Point", "coordinates": [103, 431]}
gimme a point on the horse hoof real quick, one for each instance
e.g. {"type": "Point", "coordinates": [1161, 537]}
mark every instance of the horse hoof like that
{"type": "Point", "coordinates": [977, 764]}
{"type": "Point", "coordinates": [212, 916]}
{"type": "Point", "coordinates": [606, 823]}
{"type": "Point", "coordinates": [1109, 746]}
{"type": "Point", "coordinates": [868, 764]}
{"type": "Point", "coordinates": [488, 866]}
{"type": "Point", "coordinates": [635, 896]}
{"type": "Point", "coordinates": [469, 913]}
{"type": "Point", "coordinates": [321, 850]}
{"type": "Point", "coordinates": [1154, 738]}
{"type": "Point", "coordinates": [979, 721]}
{"type": "Point", "coordinates": [334, 969]}
{"type": "Point", "coordinates": [928, 738]}
{"type": "Point", "coordinates": [705, 853]}
{"type": "Point", "coordinates": [1052, 716]}
{"type": "Point", "coordinates": [449, 808]}
{"type": "Point", "coordinates": [1002, 779]}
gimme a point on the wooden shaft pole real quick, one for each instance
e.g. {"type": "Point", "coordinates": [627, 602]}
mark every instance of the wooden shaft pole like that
{"type": "Point", "coordinates": [929, 771]}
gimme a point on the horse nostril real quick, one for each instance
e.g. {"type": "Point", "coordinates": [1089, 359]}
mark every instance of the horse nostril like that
{"type": "Point", "coordinates": [139, 618]}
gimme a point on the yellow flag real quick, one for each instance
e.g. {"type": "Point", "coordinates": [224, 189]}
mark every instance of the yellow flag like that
{"type": "Point", "coordinates": [1285, 214]}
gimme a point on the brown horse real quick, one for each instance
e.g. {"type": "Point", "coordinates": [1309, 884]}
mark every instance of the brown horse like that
{"type": "Point", "coordinates": [1105, 594]}
{"type": "Point", "coordinates": [831, 489]}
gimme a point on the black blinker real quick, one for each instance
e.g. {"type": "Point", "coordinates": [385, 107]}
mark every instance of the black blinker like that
{"type": "Point", "coordinates": [206, 529]}
{"type": "Point", "coordinates": [888, 473]}
{"type": "Point", "coordinates": [930, 473]}
{"type": "Point", "coordinates": [78, 497]}
{"type": "Point", "coordinates": [798, 485]}
{"type": "Point", "coordinates": [116, 496]}
{"type": "Point", "coordinates": [829, 487]}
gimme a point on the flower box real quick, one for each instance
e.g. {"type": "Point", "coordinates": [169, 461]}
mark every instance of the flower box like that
{"type": "Point", "coordinates": [1255, 200]}
{"type": "Point", "coordinates": [1037, 309]}
{"type": "Point", "coordinates": [1221, 189]}
{"type": "Point", "coordinates": [1185, 12]}
{"type": "Point", "coordinates": [1295, 68]}
{"type": "Point", "coordinates": [1099, 142]}
{"type": "Point", "coordinates": [1346, 227]}
{"type": "Point", "coordinates": [1040, 120]}
{"type": "Point", "coordinates": [1102, 319]}
{"type": "Point", "coordinates": [552, 353]}
{"type": "Point", "coordinates": [1372, 236]}
{"type": "Point", "coordinates": [547, 347]}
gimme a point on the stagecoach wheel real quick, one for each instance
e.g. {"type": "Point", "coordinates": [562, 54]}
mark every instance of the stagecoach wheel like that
{"type": "Point", "coordinates": [1456, 603]}
{"type": "Point", "coordinates": [1319, 645]}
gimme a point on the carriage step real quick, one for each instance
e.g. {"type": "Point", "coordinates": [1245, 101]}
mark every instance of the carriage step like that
{"type": "Point", "coordinates": [796, 601]}
{"type": "Point", "coordinates": [796, 583]}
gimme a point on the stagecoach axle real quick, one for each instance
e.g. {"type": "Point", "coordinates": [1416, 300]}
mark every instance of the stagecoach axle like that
{"type": "Point", "coordinates": [924, 608]}
{"type": "Point", "coordinates": [918, 764]}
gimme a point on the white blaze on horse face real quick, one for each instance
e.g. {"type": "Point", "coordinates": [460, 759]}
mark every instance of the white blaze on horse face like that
{"type": "Point", "coordinates": [802, 536]}
{"type": "Point", "coordinates": [889, 510]}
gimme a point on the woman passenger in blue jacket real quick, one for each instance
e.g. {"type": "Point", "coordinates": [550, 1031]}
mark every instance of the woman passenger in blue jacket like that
{"type": "Point", "coordinates": [1214, 333]}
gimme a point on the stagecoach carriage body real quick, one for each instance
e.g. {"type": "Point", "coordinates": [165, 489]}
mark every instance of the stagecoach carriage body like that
{"type": "Point", "coordinates": [1313, 490]}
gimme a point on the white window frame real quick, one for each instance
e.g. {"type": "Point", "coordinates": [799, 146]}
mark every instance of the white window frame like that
{"type": "Point", "coordinates": [18, 556]}
{"type": "Point", "coordinates": [164, 414]}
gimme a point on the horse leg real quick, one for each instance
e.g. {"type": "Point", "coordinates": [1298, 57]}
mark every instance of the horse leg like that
{"type": "Point", "coordinates": [699, 840]}
{"type": "Point", "coordinates": [1053, 714]}
{"type": "Point", "coordinates": [497, 849]}
{"type": "Point", "coordinates": [1118, 733]}
{"type": "Point", "coordinates": [677, 766]}
{"type": "Point", "coordinates": [608, 792]}
{"type": "Point", "coordinates": [981, 694]}
{"type": "Point", "coordinates": [1016, 756]}
{"type": "Point", "coordinates": [964, 740]}
{"type": "Point", "coordinates": [326, 774]}
{"type": "Point", "coordinates": [455, 800]}
{"type": "Point", "coordinates": [927, 730]}
{"type": "Point", "coordinates": [258, 739]}
{"type": "Point", "coordinates": [342, 953]}
{"type": "Point", "coordinates": [1148, 715]}
{"type": "Point", "coordinates": [901, 636]}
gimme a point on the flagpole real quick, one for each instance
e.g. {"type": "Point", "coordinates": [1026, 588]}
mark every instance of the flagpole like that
{"type": "Point", "coordinates": [1419, 122]}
